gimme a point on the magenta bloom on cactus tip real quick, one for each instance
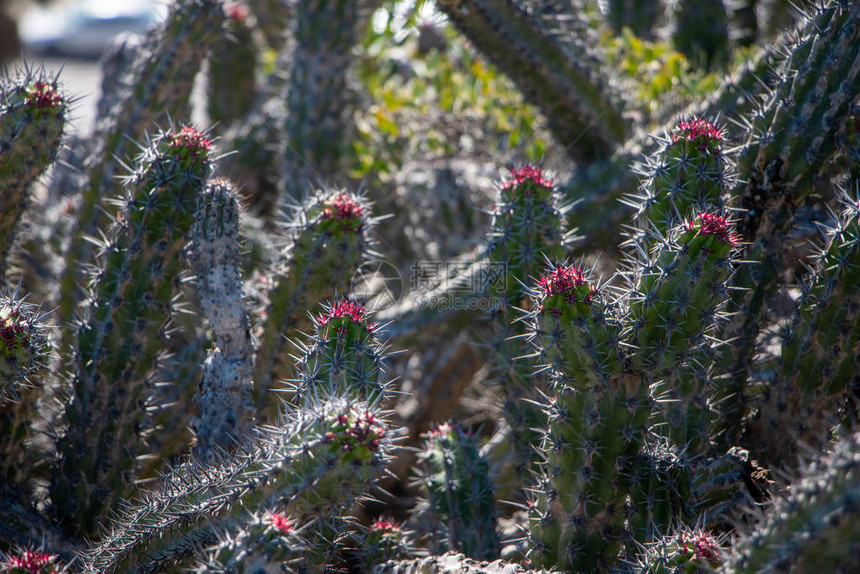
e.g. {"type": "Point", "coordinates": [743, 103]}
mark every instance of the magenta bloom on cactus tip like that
{"type": "Point", "coordinates": [716, 225]}
{"type": "Point", "coordinates": [527, 174]}
{"type": "Point", "coordinates": [706, 135]}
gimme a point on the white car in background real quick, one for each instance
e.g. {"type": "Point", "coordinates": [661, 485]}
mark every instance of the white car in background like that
{"type": "Point", "coordinates": [82, 28]}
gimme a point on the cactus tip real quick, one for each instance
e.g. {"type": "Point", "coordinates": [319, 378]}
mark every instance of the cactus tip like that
{"type": "Point", "coordinates": [527, 174]}
{"type": "Point", "coordinates": [344, 208]}
{"type": "Point", "coordinates": [707, 136]}
{"type": "Point", "coordinates": [281, 523]}
{"type": "Point", "coordinates": [564, 284]}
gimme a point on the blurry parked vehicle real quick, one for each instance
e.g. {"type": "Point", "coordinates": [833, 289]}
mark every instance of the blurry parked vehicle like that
{"type": "Point", "coordinates": [82, 28]}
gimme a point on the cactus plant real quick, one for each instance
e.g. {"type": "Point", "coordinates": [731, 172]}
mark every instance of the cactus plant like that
{"type": "Point", "coordinates": [696, 361]}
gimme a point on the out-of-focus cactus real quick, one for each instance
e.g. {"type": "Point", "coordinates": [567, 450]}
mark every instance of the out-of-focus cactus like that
{"type": "Point", "coordinates": [700, 30]}
{"type": "Point", "coordinates": [654, 410]}
{"type": "Point", "coordinates": [560, 73]}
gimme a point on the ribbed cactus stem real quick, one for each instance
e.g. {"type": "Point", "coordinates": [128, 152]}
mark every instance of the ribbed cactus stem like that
{"type": "Point", "coordinates": [320, 103]}
{"type": "Point", "coordinates": [818, 76]}
{"type": "Point", "coordinates": [459, 493]}
{"type": "Point", "coordinates": [32, 117]}
{"type": "Point", "coordinates": [660, 489]}
{"type": "Point", "coordinates": [560, 73]}
{"type": "Point", "coordinates": [226, 401]}
{"type": "Point", "coordinates": [638, 15]}
{"type": "Point", "coordinates": [597, 420]}
{"type": "Point", "coordinates": [122, 333]}
{"type": "Point", "coordinates": [330, 238]}
{"type": "Point", "coordinates": [687, 171]}
{"type": "Point", "coordinates": [679, 298]}
{"type": "Point", "coordinates": [700, 30]}
{"type": "Point", "coordinates": [159, 82]}
{"type": "Point", "coordinates": [344, 357]}
{"type": "Point", "coordinates": [526, 231]}
{"type": "Point", "coordinates": [24, 351]}
{"type": "Point", "coordinates": [315, 463]}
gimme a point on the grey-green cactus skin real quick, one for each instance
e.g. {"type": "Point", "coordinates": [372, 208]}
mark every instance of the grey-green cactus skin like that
{"type": "Point", "coordinates": [656, 401]}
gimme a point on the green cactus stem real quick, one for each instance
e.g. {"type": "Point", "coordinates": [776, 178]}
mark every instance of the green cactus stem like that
{"type": "Point", "coordinates": [344, 357]}
{"type": "Point", "coordinates": [782, 165]}
{"type": "Point", "coordinates": [818, 362]}
{"type": "Point", "coordinates": [660, 489]}
{"type": "Point", "coordinates": [526, 231]}
{"type": "Point", "coordinates": [459, 493]}
{"type": "Point", "coordinates": [678, 301]}
{"type": "Point", "coordinates": [559, 73]}
{"type": "Point", "coordinates": [32, 118]}
{"type": "Point", "coordinates": [226, 401]}
{"type": "Point", "coordinates": [330, 237]}
{"type": "Point", "coordinates": [320, 103]}
{"type": "Point", "coordinates": [638, 15]}
{"type": "Point", "coordinates": [171, 56]}
{"type": "Point", "coordinates": [121, 334]}
{"type": "Point", "coordinates": [597, 420]}
{"type": "Point", "coordinates": [700, 31]}
{"type": "Point", "coordinates": [314, 463]}
{"type": "Point", "coordinates": [688, 170]}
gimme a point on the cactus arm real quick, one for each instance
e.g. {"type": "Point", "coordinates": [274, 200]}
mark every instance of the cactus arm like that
{"type": "Point", "coordinates": [32, 117]}
{"type": "Point", "coordinates": [325, 455]}
{"type": "Point", "coordinates": [330, 237]}
{"type": "Point", "coordinates": [580, 105]}
{"type": "Point", "coordinates": [344, 357]}
{"type": "Point", "coordinates": [233, 68]}
{"type": "Point", "coordinates": [226, 402]}
{"type": "Point", "coordinates": [159, 81]}
{"type": "Point", "coordinates": [596, 424]}
{"type": "Point", "coordinates": [814, 527]}
{"type": "Point", "coordinates": [320, 102]}
{"type": "Point", "coordinates": [459, 494]}
{"type": "Point", "coordinates": [121, 338]}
